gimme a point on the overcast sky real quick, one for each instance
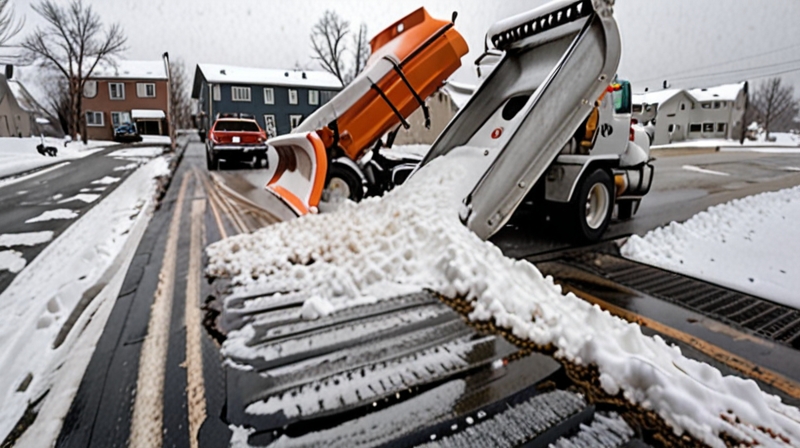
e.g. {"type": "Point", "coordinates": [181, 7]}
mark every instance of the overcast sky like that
{"type": "Point", "coordinates": [669, 39]}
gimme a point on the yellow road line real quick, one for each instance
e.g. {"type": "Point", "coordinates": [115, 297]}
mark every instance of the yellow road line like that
{"type": "Point", "coordinates": [752, 370]}
{"type": "Point", "coordinates": [195, 385]}
{"type": "Point", "coordinates": [148, 409]}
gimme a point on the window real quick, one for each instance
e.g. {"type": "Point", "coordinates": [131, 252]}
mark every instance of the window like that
{"type": "Point", "coordinates": [313, 97]}
{"type": "Point", "coordinates": [295, 120]}
{"type": "Point", "coordinates": [717, 105]}
{"type": "Point", "coordinates": [326, 96]}
{"type": "Point", "coordinates": [145, 90]}
{"type": "Point", "coordinates": [118, 118]}
{"type": "Point", "coordinates": [217, 93]}
{"type": "Point", "coordinates": [708, 127]}
{"type": "Point", "coordinates": [683, 106]}
{"type": "Point", "coordinates": [94, 118]}
{"type": "Point", "coordinates": [116, 90]}
{"type": "Point", "coordinates": [722, 127]}
{"type": "Point", "coordinates": [706, 105]}
{"type": "Point", "coordinates": [240, 94]}
{"type": "Point", "coordinates": [269, 125]}
{"type": "Point", "coordinates": [90, 89]}
{"type": "Point", "coordinates": [269, 96]}
{"type": "Point", "coordinates": [671, 128]}
{"type": "Point", "coordinates": [292, 96]}
{"type": "Point", "coordinates": [695, 127]}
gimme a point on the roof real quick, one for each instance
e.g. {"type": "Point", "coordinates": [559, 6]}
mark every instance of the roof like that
{"type": "Point", "coordinates": [727, 92]}
{"type": "Point", "coordinates": [120, 69]}
{"type": "Point", "coordinates": [229, 74]}
{"type": "Point", "coordinates": [658, 97]}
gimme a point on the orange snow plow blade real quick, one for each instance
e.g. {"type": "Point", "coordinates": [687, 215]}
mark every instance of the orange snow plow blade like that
{"type": "Point", "coordinates": [410, 61]}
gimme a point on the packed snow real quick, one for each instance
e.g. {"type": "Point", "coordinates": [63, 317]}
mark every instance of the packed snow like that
{"type": "Point", "coordinates": [749, 245]}
{"type": "Point", "coordinates": [108, 180]}
{"type": "Point", "coordinates": [87, 198]}
{"type": "Point", "coordinates": [12, 261]}
{"type": "Point", "coordinates": [19, 155]}
{"type": "Point", "coordinates": [413, 236]}
{"type": "Point", "coordinates": [25, 239]}
{"type": "Point", "coordinates": [37, 305]}
{"type": "Point", "coordinates": [146, 151]}
{"type": "Point", "coordinates": [50, 215]}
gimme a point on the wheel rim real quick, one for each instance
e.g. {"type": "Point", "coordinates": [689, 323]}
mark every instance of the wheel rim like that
{"type": "Point", "coordinates": [596, 206]}
{"type": "Point", "coordinates": [338, 189]}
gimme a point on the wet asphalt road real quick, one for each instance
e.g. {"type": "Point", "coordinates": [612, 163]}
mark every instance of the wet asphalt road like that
{"type": "Point", "coordinates": [55, 189]}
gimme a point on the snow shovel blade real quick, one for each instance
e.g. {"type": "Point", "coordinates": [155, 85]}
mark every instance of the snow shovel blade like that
{"type": "Point", "coordinates": [556, 61]}
{"type": "Point", "coordinates": [300, 173]}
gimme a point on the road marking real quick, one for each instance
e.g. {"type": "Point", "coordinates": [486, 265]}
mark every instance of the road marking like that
{"type": "Point", "coordinates": [697, 169]}
{"type": "Point", "coordinates": [148, 409]}
{"type": "Point", "coordinates": [776, 380]}
{"type": "Point", "coordinates": [214, 208]}
{"type": "Point", "coordinates": [195, 385]}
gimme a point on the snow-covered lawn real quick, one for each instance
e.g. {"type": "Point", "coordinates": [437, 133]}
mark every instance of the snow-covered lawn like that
{"type": "Point", "coordinates": [784, 142]}
{"type": "Point", "coordinates": [41, 348]}
{"type": "Point", "coordinates": [412, 238]}
{"type": "Point", "coordinates": [750, 245]}
{"type": "Point", "coordinates": [18, 155]}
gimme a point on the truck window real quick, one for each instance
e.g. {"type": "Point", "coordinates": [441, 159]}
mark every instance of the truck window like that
{"type": "Point", "coordinates": [622, 98]}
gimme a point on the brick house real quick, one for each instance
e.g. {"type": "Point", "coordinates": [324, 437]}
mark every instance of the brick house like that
{"type": "Point", "coordinates": [126, 92]}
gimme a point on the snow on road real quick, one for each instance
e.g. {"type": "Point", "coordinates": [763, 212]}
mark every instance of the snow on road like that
{"type": "Point", "coordinates": [108, 180]}
{"type": "Point", "coordinates": [11, 260]}
{"type": "Point", "coordinates": [47, 330]}
{"type": "Point", "coordinates": [19, 155]}
{"type": "Point", "coordinates": [61, 213]}
{"type": "Point", "coordinates": [25, 239]}
{"type": "Point", "coordinates": [750, 245]}
{"type": "Point", "coordinates": [87, 198]}
{"type": "Point", "coordinates": [413, 237]}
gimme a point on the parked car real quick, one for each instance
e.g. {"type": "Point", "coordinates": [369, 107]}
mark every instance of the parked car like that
{"type": "Point", "coordinates": [236, 137]}
{"type": "Point", "coordinates": [126, 132]}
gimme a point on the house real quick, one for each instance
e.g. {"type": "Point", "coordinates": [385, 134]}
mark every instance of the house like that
{"type": "Point", "coordinates": [126, 92]}
{"type": "Point", "coordinates": [14, 120]}
{"type": "Point", "coordinates": [703, 113]}
{"type": "Point", "coordinates": [41, 121]}
{"type": "Point", "coordinates": [442, 107]}
{"type": "Point", "coordinates": [279, 99]}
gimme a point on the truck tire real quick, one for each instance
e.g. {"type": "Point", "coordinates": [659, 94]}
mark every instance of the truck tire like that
{"type": "Point", "coordinates": [591, 206]}
{"type": "Point", "coordinates": [343, 183]}
{"type": "Point", "coordinates": [626, 208]}
{"type": "Point", "coordinates": [211, 162]}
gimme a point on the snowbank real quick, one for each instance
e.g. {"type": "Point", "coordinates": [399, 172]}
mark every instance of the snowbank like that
{"type": "Point", "coordinates": [37, 336]}
{"type": "Point", "coordinates": [18, 155]}
{"type": "Point", "coordinates": [413, 237]}
{"type": "Point", "coordinates": [749, 244]}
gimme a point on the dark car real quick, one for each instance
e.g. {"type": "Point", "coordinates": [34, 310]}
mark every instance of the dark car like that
{"type": "Point", "coordinates": [127, 132]}
{"type": "Point", "coordinates": [238, 138]}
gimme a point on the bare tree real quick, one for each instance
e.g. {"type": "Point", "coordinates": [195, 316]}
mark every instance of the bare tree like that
{"type": "Point", "coordinates": [73, 42]}
{"type": "Point", "coordinates": [56, 89]}
{"type": "Point", "coordinates": [328, 40]}
{"type": "Point", "coordinates": [774, 106]}
{"type": "Point", "coordinates": [361, 51]}
{"type": "Point", "coordinates": [179, 96]}
{"type": "Point", "coordinates": [9, 25]}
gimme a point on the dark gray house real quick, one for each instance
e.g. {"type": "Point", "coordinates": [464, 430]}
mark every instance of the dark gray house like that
{"type": "Point", "coordinates": [279, 99]}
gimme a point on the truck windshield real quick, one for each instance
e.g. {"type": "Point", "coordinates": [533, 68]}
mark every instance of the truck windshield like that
{"type": "Point", "coordinates": [236, 126]}
{"type": "Point", "coordinates": [622, 98]}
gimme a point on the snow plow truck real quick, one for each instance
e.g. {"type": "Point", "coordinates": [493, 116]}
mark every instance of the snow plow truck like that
{"type": "Point", "coordinates": [551, 123]}
{"type": "Point", "coordinates": [410, 60]}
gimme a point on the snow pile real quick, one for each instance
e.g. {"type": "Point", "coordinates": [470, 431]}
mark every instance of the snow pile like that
{"type": "Point", "coordinates": [18, 155]}
{"type": "Point", "coordinates": [46, 338]}
{"type": "Point", "coordinates": [413, 236]}
{"type": "Point", "coordinates": [749, 245]}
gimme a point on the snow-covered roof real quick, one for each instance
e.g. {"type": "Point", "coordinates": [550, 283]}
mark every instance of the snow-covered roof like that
{"type": "Point", "coordinates": [658, 97]}
{"type": "Point", "coordinates": [120, 69]}
{"type": "Point", "coordinates": [147, 113]}
{"type": "Point", "coordinates": [227, 74]}
{"type": "Point", "coordinates": [727, 92]}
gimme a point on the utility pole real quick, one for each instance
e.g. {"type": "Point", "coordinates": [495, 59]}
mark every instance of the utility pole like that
{"type": "Point", "coordinates": [170, 118]}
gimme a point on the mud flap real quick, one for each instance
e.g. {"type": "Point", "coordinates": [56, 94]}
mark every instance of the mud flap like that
{"type": "Point", "coordinates": [300, 173]}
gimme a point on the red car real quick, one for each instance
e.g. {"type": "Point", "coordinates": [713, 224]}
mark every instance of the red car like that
{"type": "Point", "coordinates": [236, 137]}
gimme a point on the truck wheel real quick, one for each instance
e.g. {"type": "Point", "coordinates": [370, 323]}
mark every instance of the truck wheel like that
{"type": "Point", "coordinates": [626, 208]}
{"type": "Point", "coordinates": [343, 183]}
{"type": "Point", "coordinates": [211, 162]}
{"type": "Point", "coordinates": [592, 205]}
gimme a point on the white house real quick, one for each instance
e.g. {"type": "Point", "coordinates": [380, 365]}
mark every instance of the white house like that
{"type": "Point", "coordinates": [704, 113]}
